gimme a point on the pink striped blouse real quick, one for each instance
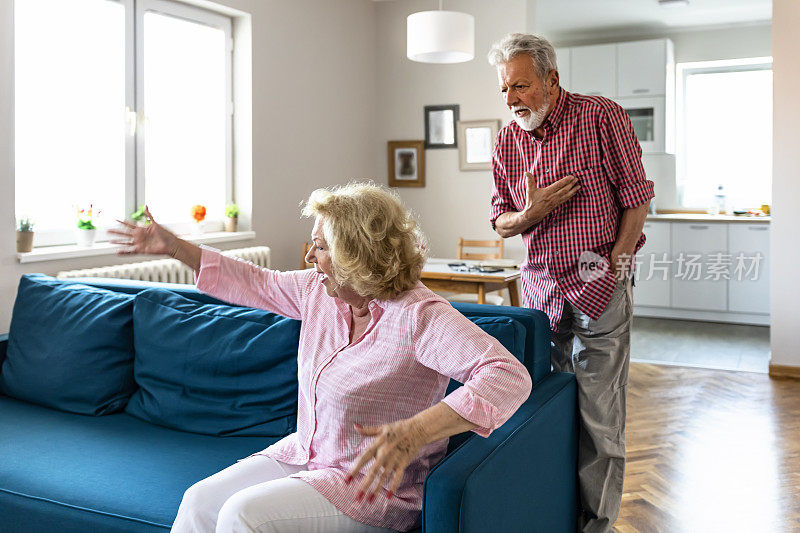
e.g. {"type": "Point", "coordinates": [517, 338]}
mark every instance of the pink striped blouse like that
{"type": "Point", "coordinates": [400, 366]}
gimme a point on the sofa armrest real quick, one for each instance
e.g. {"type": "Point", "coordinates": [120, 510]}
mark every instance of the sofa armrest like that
{"type": "Point", "coordinates": [523, 477]}
{"type": "Point", "coordinates": [3, 347]}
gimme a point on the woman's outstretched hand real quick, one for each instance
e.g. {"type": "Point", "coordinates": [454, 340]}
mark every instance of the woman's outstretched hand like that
{"type": "Point", "coordinates": [152, 239]}
{"type": "Point", "coordinates": [394, 447]}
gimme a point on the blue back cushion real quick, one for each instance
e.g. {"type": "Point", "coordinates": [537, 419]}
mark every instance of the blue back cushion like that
{"type": "Point", "coordinates": [508, 331]}
{"type": "Point", "coordinates": [213, 369]}
{"type": "Point", "coordinates": [70, 347]}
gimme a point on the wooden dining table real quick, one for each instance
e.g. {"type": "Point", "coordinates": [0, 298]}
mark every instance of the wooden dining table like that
{"type": "Point", "coordinates": [437, 275]}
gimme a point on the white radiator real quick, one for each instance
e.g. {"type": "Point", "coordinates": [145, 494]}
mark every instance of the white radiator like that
{"type": "Point", "coordinates": [166, 270]}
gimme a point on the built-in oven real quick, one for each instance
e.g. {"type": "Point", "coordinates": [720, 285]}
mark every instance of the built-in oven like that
{"type": "Point", "coordinates": [647, 115]}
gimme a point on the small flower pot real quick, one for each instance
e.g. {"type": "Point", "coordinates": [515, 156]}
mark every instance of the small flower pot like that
{"type": "Point", "coordinates": [24, 241]}
{"type": "Point", "coordinates": [231, 224]}
{"type": "Point", "coordinates": [85, 237]}
{"type": "Point", "coordinates": [198, 228]}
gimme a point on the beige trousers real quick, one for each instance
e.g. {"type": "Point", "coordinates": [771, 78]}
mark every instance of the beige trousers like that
{"type": "Point", "coordinates": [598, 352]}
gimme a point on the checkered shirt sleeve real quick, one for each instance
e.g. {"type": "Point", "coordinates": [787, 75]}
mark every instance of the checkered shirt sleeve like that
{"type": "Point", "coordinates": [623, 158]}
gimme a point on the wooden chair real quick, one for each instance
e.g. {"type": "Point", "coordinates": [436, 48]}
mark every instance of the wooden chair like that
{"type": "Point", "coordinates": [464, 243]}
{"type": "Point", "coordinates": [492, 299]}
{"type": "Point", "coordinates": [303, 264]}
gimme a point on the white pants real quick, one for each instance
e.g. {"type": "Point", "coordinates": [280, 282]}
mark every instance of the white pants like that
{"type": "Point", "coordinates": [256, 495]}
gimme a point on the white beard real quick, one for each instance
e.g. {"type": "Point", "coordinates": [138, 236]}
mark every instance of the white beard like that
{"type": "Point", "coordinates": [533, 119]}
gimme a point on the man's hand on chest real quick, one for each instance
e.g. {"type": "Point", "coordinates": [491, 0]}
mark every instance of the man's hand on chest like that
{"type": "Point", "coordinates": [541, 201]}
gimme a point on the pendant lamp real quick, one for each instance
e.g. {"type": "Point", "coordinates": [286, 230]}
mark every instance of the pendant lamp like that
{"type": "Point", "coordinates": [441, 36]}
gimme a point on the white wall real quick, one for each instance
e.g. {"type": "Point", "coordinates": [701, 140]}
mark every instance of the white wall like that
{"type": "Point", "coordinates": [784, 249]}
{"type": "Point", "coordinates": [314, 102]}
{"type": "Point", "coordinates": [452, 203]}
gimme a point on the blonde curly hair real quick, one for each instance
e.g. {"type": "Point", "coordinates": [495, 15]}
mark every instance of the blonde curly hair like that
{"type": "Point", "coordinates": [375, 244]}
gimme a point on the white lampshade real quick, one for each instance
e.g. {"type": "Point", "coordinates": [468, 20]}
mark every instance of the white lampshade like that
{"type": "Point", "coordinates": [441, 37]}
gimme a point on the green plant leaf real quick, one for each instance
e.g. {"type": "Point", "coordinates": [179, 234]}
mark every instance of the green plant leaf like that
{"type": "Point", "coordinates": [139, 213]}
{"type": "Point", "coordinates": [232, 210]}
{"type": "Point", "coordinates": [86, 224]}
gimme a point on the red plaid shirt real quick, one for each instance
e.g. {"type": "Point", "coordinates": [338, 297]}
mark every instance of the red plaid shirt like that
{"type": "Point", "coordinates": [592, 138]}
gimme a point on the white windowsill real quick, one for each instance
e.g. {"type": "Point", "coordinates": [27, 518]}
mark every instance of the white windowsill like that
{"type": "Point", "coordinates": [70, 251]}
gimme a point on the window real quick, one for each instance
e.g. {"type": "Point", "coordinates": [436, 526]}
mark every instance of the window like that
{"type": "Point", "coordinates": [725, 132]}
{"type": "Point", "coordinates": [120, 103]}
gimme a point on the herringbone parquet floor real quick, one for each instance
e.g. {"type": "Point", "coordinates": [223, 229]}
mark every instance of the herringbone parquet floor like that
{"type": "Point", "coordinates": [711, 451]}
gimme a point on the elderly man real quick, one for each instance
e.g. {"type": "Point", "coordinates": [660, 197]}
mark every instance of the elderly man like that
{"type": "Point", "coordinates": [568, 177]}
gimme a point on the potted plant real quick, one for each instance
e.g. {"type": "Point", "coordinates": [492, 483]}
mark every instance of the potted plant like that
{"type": "Point", "coordinates": [86, 228]}
{"type": "Point", "coordinates": [198, 214]}
{"type": "Point", "coordinates": [24, 235]}
{"type": "Point", "coordinates": [231, 217]}
{"type": "Point", "coordinates": [139, 218]}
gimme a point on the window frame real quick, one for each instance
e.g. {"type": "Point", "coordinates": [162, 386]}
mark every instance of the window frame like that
{"type": "Point", "coordinates": [134, 187]}
{"type": "Point", "coordinates": [683, 71]}
{"type": "Point", "coordinates": [200, 16]}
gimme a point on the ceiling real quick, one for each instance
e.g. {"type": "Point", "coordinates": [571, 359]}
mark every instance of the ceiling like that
{"type": "Point", "coordinates": [559, 18]}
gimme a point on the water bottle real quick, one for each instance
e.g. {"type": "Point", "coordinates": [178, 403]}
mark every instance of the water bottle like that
{"type": "Point", "coordinates": [720, 201]}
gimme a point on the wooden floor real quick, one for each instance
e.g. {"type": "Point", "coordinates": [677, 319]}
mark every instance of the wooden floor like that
{"type": "Point", "coordinates": [711, 451]}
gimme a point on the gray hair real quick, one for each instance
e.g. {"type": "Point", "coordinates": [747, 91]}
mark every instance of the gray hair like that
{"type": "Point", "coordinates": [538, 48]}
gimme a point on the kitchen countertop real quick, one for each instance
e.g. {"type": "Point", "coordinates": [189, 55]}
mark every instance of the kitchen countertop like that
{"type": "Point", "coordinates": [698, 217]}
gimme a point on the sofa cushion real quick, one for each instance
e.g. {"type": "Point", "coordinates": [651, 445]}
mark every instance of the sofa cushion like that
{"type": "Point", "coordinates": [213, 369]}
{"type": "Point", "coordinates": [70, 347]}
{"type": "Point", "coordinates": [74, 474]}
{"type": "Point", "coordinates": [508, 331]}
{"type": "Point", "coordinates": [537, 337]}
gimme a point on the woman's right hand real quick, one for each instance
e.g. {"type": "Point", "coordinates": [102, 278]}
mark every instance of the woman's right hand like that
{"type": "Point", "coordinates": [153, 239]}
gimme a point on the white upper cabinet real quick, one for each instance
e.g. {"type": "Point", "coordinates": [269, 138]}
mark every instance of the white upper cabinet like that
{"type": "Point", "coordinates": [642, 67]}
{"type": "Point", "coordinates": [638, 75]}
{"type": "Point", "coordinates": [563, 56]}
{"type": "Point", "coordinates": [594, 70]}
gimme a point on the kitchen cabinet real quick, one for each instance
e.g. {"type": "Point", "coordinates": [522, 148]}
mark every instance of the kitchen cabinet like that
{"type": "Point", "coordinates": [653, 270]}
{"type": "Point", "coordinates": [593, 70]}
{"type": "Point", "coordinates": [638, 75]}
{"type": "Point", "coordinates": [693, 246]}
{"type": "Point", "coordinates": [748, 288]}
{"type": "Point", "coordinates": [705, 280]}
{"type": "Point", "coordinates": [642, 67]}
{"type": "Point", "coordinates": [563, 57]}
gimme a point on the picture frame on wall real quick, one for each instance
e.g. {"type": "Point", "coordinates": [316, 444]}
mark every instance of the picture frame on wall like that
{"type": "Point", "coordinates": [440, 126]}
{"type": "Point", "coordinates": [476, 143]}
{"type": "Point", "coordinates": [406, 163]}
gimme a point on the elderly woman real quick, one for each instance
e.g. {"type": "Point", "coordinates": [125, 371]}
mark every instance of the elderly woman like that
{"type": "Point", "coordinates": [377, 350]}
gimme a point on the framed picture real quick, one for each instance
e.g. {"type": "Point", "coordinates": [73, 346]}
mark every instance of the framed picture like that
{"type": "Point", "coordinates": [476, 143]}
{"type": "Point", "coordinates": [406, 163]}
{"type": "Point", "coordinates": [440, 126]}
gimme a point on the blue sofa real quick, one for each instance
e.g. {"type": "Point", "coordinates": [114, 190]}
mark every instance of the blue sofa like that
{"type": "Point", "coordinates": [112, 469]}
